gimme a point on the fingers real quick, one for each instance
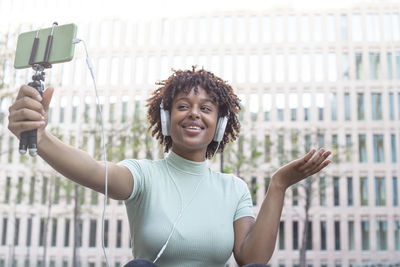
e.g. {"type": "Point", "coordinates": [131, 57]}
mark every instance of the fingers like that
{"type": "Point", "coordinates": [26, 90]}
{"type": "Point", "coordinates": [314, 161]}
{"type": "Point", "coordinates": [47, 95]}
{"type": "Point", "coordinates": [18, 127]}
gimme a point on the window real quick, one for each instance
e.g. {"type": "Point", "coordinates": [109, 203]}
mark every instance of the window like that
{"type": "Point", "coordinates": [66, 232]}
{"type": "Point", "coordinates": [267, 146]}
{"type": "Point", "coordinates": [374, 66]}
{"type": "Point", "coordinates": [44, 190]}
{"type": "Point", "coordinates": [282, 235]}
{"type": "Point", "coordinates": [323, 234]}
{"type": "Point", "coordinates": [378, 148]}
{"type": "Point", "coordinates": [292, 28]}
{"type": "Point", "coordinates": [240, 68]}
{"type": "Point", "coordinates": [4, 232]}
{"type": "Point", "coordinates": [293, 99]}
{"type": "Point", "coordinates": [306, 105]}
{"type": "Point", "coordinates": [16, 231]}
{"type": "Point", "coordinates": [280, 68]}
{"type": "Point", "coordinates": [92, 233]}
{"type": "Point", "coordinates": [295, 231]}
{"type": "Point", "coordinates": [359, 66]}
{"type": "Point", "coordinates": [29, 232]}
{"type": "Point", "coordinates": [350, 201]}
{"type": "Point", "coordinates": [119, 234]}
{"type": "Point", "coordinates": [319, 68]}
{"type": "Point", "coordinates": [348, 148]}
{"type": "Point", "coordinates": [317, 28]}
{"type": "Point", "coordinates": [19, 190]}
{"type": "Point", "coordinates": [345, 66]}
{"type": "Point", "coordinates": [305, 28]}
{"type": "Point", "coordinates": [380, 191]}
{"type": "Point", "coordinates": [351, 235]}
{"type": "Point", "coordinates": [343, 27]}
{"type": "Point", "coordinates": [94, 197]}
{"type": "Point", "coordinates": [106, 222]}
{"type": "Point", "coordinates": [397, 61]}
{"type": "Point", "coordinates": [54, 232]}
{"type": "Point", "coordinates": [266, 69]}
{"type": "Point", "coordinates": [372, 27]}
{"type": "Point", "coordinates": [393, 147]}
{"type": "Point", "coordinates": [332, 67]}
{"type": "Point", "coordinates": [254, 30]}
{"type": "Point", "coordinates": [365, 235]}
{"type": "Point", "coordinates": [331, 29]}
{"type": "Point", "coordinates": [254, 187]}
{"type": "Point", "coordinates": [309, 236]}
{"type": "Point", "coordinates": [266, 29]}
{"type": "Point", "coordinates": [337, 235]}
{"type": "Point", "coordinates": [292, 68]}
{"type": "Point", "coordinates": [280, 105]}
{"type": "Point", "coordinates": [381, 235]}
{"type": "Point", "coordinates": [391, 106]}
{"type": "Point", "coordinates": [333, 106]}
{"type": "Point", "coordinates": [362, 148]}
{"type": "Point", "coordinates": [336, 197]}
{"type": "Point", "coordinates": [139, 69]}
{"type": "Point", "coordinates": [364, 191]}
{"type": "Point", "coordinates": [241, 30]}
{"type": "Point", "coordinates": [254, 106]}
{"type": "Point", "coordinates": [335, 148]}
{"type": "Point", "coordinates": [279, 29]}
{"type": "Point", "coordinates": [320, 106]}
{"type": "Point", "coordinates": [376, 102]}
{"type": "Point", "coordinates": [395, 192]}
{"type": "Point", "coordinates": [305, 70]}
{"type": "Point", "coordinates": [307, 142]}
{"type": "Point", "coordinates": [254, 69]}
{"type": "Point", "coordinates": [357, 29]}
{"type": "Point", "coordinates": [266, 105]}
{"type": "Point", "coordinates": [389, 66]}
{"type": "Point", "coordinates": [41, 232]}
{"type": "Point", "coordinates": [397, 235]}
{"type": "Point", "coordinates": [321, 140]}
{"type": "Point", "coordinates": [57, 185]}
{"type": "Point", "coordinates": [322, 191]}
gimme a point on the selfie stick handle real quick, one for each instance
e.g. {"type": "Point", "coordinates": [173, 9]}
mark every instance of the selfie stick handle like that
{"type": "Point", "coordinates": [28, 140]}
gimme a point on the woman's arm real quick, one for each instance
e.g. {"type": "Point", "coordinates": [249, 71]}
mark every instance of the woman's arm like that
{"type": "Point", "coordinates": [30, 111]}
{"type": "Point", "coordinates": [255, 241]}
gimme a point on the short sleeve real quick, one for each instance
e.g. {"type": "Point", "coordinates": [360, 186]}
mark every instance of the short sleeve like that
{"type": "Point", "coordinates": [245, 204]}
{"type": "Point", "coordinates": [135, 167]}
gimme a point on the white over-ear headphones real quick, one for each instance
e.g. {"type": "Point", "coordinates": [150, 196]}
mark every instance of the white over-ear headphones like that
{"type": "Point", "coordinates": [166, 124]}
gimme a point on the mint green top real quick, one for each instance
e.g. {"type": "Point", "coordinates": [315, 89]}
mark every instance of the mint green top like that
{"type": "Point", "coordinates": [204, 235]}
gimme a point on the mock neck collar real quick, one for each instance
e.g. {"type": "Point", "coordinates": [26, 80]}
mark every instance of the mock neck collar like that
{"type": "Point", "coordinates": [188, 166]}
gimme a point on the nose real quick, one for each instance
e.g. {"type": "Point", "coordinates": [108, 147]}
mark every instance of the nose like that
{"type": "Point", "coordinates": [194, 113]}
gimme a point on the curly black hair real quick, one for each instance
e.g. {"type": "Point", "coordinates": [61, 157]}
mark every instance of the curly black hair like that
{"type": "Point", "coordinates": [184, 81]}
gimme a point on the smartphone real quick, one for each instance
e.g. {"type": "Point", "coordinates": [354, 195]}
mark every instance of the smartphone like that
{"type": "Point", "coordinates": [62, 49]}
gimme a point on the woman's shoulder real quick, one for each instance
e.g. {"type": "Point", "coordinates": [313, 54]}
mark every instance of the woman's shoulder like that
{"type": "Point", "coordinates": [229, 178]}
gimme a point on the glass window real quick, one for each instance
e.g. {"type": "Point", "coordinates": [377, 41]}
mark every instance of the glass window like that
{"type": "Point", "coordinates": [396, 27]}
{"type": "Point", "coordinates": [376, 99]}
{"type": "Point", "coordinates": [280, 68]}
{"type": "Point", "coordinates": [335, 148]}
{"type": "Point", "coordinates": [393, 147]}
{"type": "Point", "coordinates": [228, 30]}
{"type": "Point", "coordinates": [333, 106]}
{"type": "Point", "coordinates": [254, 30]}
{"type": "Point", "coordinates": [254, 69]}
{"type": "Point", "coordinates": [190, 31]}
{"type": "Point", "coordinates": [165, 31]}
{"type": "Point", "coordinates": [241, 68]}
{"type": "Point", "coordinates": [227, 65]}
{"type": "Point", "coordinates": [321, 140]}
{"type": "Point", "coordinates": [253, 190]}
{"type": "Point", "coordinates": [306, 105]}
{"type": "Point", "coordinates": [280, 105]}
{"type": "Point", "coordinates": [332, 67]}
{"type": "Point", "coordinates": [282, 235]}
{"type": "Point", "coordinates": [351, 235]}
{"type": "Point", "coordinates": [343, 27]}
{"type": "Point", "coordinates": [254, 106]}
{"type": "Point", "coordinates": [319, 68]}
{"type": "Point", "coordinates": [360, 107]}
{"type": "Point", "coordinates": [350, 191]}
{"type": "Point", "coordinates": [267, 146]}
{"type": "Point", "coordinates": [63, 104]}
{"type": "Point", "coordinates": [241, 31]}
{"type": "Point", "coordinates": [305, 68]}
{"type": "Point", "coordinates": [337, 235]}
{"type": "Point", "coordinates": [317, 28]}
{"type": "Point", "coordinates": [336, 196]}
{"type": "Point", "coordinates": [391, 106]}
{"type": "Point", "coordinates": [293, 99]}
{"type": "Point", "coordinates": [29, 232]}
{"type": "Point", "coordinates": [380, 191]}
{"type": "Point", "coordinates": [378, 148]}
{"type": "Point", "coordinates": [397, 235]}
{"type": "Point", "coordinates": [345, 66]}
{"type": "Point", "coordinates": [281, 146]}
{"type": "Point", "coordinates": [279, 29]}
{"type": "Point", "coordinates": [320, 106]}
{"type": "Point", "coordinates": [322, 191]}
{"type": "Point", "coordinates": [66, 232]}
{"type": "Point", "coordinates": [362, 148]}
{"type": "Point", "coordinates": [374, 66]}
{"type": "Point", "coordinates": [331, 28]}
{"type": "Point", "coordinates": [395, 192]}
{"type": "Point", "coordinates": [349, 146]}
{"type": "Point", "coordinates": [307, 142]}
{"type": "Point", "coordinates": [381, 235]}
{"type": "Point", "coordinates": [305, 28]}
{"type": "Point", "coordinates": [16, 231]}
{"type": "Point", "coordinates": [152, 72]}
{"type": "Point", "coordinates": [389, 66]}
{"type": "Point", "coordinates": [92, 233]}
{"type": "Point", "coordinates": [266, 29]}
{"type": "Point", "coordinates": [323, 235]}
{"type": "Point", "coordinates": [357, 29]}
{"type": "Point", "coordinates": [295, 231]}
{"type": "Point", "coordinates": [54, 232]}
{"type": "Point", "coordinates": [397, 60]}
{"type": "Point", "coordinates": [365, 235]}
{"type": "Point", "coordinates": [309, 236]}
{"type": "Point", "coordinates": [364, 191]}
{"type": "Point", "coordinates": [19, 190]}
{"type": "Point", "coordinates": [372, 27]}
{"type": "Point", "coordinates": [139, 69]}
{"type": "Point", "coordinates": [266, 106]}
{"type": "Point", "coordinates": [347, 109]}
{"type": "Point", "coordinates": [266, 71]}
{"type": "Point", "coordinates": [292, 68]}
{"type": "Point", "coordinates": [203, 31]}
{"type": "Point", "coordinates": [4, 232]}
{"type": "Point", "coordinates": [359, 66]}
{"type": "Point", "coordinates": [178, 31]}
{"type": "Point", "coordinates": [292, 28]}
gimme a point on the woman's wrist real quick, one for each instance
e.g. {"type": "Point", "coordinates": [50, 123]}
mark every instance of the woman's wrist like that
{"type": "Point", "coordinates": [276, 183]}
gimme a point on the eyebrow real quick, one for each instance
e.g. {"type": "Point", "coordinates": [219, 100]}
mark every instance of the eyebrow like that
{"type": "Point", "coordinates": [202, 100]}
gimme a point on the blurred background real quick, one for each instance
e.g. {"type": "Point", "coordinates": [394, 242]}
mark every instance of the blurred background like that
{"type": "Point", "coordinates": [309, 74]}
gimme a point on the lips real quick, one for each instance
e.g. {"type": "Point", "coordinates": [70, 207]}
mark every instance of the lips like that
{"type": "Point", "coordinates": [193, 126]}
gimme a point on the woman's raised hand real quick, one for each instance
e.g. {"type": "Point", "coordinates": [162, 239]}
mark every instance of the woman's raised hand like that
{"type": "Point", "coordinates": [29, 111]}
{"type": "Point", "coordinates": [301, 168]}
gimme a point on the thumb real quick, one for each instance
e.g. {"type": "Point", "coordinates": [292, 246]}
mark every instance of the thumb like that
{"type": "Point", "coordinates": [47, 95]}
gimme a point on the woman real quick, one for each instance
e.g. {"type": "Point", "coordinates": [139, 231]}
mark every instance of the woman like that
{"type": "Point", "coordinates": [181, 213]}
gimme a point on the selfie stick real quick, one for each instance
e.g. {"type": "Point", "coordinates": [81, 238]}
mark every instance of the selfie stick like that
{"type": "Point", "coordinates": [29, 138]}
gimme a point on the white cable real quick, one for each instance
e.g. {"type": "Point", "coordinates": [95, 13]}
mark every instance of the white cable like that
{"type": "Point", "coordinates": [90, 66]}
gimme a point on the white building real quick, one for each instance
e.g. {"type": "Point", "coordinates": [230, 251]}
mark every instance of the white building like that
{"type": "Point", "coordinates": [307, 78]}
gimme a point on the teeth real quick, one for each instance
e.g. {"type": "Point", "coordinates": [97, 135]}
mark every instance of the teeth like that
{"type": "Point", "coordinates": [193, 127]}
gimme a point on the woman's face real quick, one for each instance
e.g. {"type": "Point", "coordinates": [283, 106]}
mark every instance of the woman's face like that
{"type": "Point", "coordinates": [193, 120]}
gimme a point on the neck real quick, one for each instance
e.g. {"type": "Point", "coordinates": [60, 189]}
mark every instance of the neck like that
{"type": "Point", "coordinates": [198, 156]}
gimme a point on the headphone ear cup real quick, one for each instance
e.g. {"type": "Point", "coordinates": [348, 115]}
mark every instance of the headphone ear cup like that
{"type": "Point", "coordinates": [220, 129]}
{"type": "Point", "coordinates": [165, 122]}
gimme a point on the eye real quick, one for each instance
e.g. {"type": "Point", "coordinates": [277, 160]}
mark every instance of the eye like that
{"type": "Point", "coordinates": [182, 107]}
{"type": "Point", "coordinates": [206, 108]}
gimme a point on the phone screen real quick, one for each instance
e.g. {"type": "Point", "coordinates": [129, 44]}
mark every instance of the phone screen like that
{"type": "Point", "coordinates": [62, 49]}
